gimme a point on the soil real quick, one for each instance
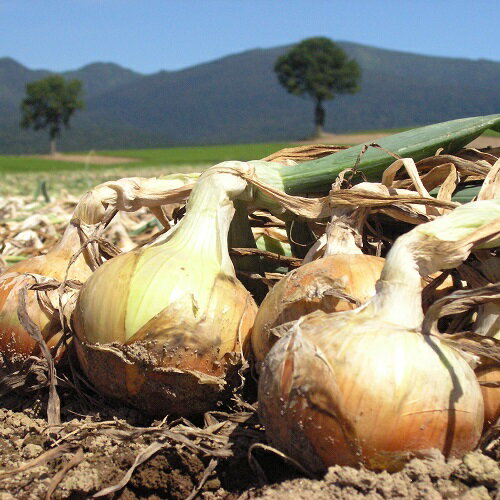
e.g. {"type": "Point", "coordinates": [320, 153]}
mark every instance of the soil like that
{"type": "Point", "coordinates": [98, 442]}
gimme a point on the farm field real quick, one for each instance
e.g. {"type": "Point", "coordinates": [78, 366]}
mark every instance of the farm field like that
{"type": "Point", "coordinates": [133, 158]}
{"type": "Point", "coordinates": [22, 174]}
{"type": "Point", "coordinates": [102, 447]}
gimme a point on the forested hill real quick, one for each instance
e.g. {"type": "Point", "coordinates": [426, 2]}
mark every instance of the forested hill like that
{"type": "Point", "coordinates": [238, 99]}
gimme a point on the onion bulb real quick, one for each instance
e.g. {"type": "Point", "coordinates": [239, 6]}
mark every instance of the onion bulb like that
{"type": "Point", "coordinates": [15, 343]}
{"type": "Point", "coordinates": [489, 377]}
{"type": "Point", "coordinates": [165, 328]}
{"type": "Point", "coordinates": [342, 280]}
{"type": "Point", "coordinates": [367, 387]}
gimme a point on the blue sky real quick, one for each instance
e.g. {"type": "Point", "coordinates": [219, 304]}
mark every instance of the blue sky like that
{"type": "Point", "coordinates": [150, 35]}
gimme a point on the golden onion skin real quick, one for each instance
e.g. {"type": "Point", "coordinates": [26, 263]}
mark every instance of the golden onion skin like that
{"type": "Point", "coordinates": [15, 342]}
{"type": "Point", "coordinates": [318, 286]}
{"type": "Point", "coordinates": [372, 394]}
{"type": "Point", "coordinates": [177, 363]}
{"type": "Point", "coordinates": [491, 393]}
{"type": "Point", "coordinates": [16, 345]}
{"type": "Point", "coordinates": [488, 374]}
{"type": "Point", "coordinates": [312, 287]}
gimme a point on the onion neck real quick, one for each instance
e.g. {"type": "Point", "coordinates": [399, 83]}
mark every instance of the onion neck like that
{"type": "Point", "coordinates": [398, 297]}
{"type": "Point", "coordinates": [209, 205]}
{"type": "Point", "coordinates": [442, 243]}
{"type": "Point", "coordinates": [241, 236]}
{"type": "Point", "coordinates": [182, 269]}
{"type": "Point", "coordinates": [70, 240]}
{"type": "Point", "coordinates": [89, 211]}
{"type": "Point", "coordinates": [343, 235]}
{"type": "Point", "coordinates": [92, 205]}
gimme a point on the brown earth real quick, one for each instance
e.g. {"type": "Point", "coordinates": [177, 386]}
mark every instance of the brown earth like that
{"type": "Point", "coordinates": [98, 443]}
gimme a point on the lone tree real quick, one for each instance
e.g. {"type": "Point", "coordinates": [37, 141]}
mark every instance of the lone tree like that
{"type": "Point", "coordinates": [320, 69]}
{"type": "Point", "coordinates": [49, 104]}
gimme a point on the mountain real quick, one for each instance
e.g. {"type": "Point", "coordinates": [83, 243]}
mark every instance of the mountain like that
{"type": "Point", "coordinates": [101, 77]}
{"type": "Point", "coordinates": [13, 77]}
{"type": "Point", "coordinates": [237, 99]}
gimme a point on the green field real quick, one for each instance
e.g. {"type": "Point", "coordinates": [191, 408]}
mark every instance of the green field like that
{"type": "Point", "coordinates": [167, 157]}
{"type": "Point", "coordinates": [23, 174]}
{"type": "Point", "coordinates": [181, 156]}
{"type": "Point", "coordinates": [18, 164]}
{"type": "Point", "coordinates": [199, 155]}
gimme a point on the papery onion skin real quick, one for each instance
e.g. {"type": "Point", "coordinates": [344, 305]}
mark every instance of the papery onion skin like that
{"type": "Point", "coordinates": [488, 374]}
{"type": "Point", "coordinates": [315, 286]}
{"type": "Point", "coordinates": [15, 342]}
{"type": "Point", "coordinates": [318, 286]}
{"type": "Point", "coordinates": [375, 395]}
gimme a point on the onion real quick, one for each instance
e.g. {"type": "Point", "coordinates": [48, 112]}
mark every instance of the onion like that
{"type": "Point", "coordinates": [330, 284]}
{"type": "Point", "coordinates": [165, 328]}
{"type": "Point", "coordinates": [367, 386]}
{"type": "Point", "coordinates": [489, 377]}
{"type": "Point", "coordinates": [341, 280]}
{"type": "Point", "coordinates": [15, 342]}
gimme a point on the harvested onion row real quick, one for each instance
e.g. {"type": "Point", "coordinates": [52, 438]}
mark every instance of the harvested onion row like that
{"type": "Point", "coordinates": [166, 327]}
{"type": "Point", "coordinates": [180, 317]}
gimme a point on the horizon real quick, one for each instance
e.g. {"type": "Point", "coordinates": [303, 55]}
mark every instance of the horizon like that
{"type": "Point", "coordinates": [90, 63]}
{"type": "Point", "coordinates": [148, 37]}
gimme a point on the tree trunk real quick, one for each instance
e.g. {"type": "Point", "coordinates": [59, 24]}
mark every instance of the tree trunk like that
{"type": "Point", "coordinates": [319, 118]}
{"type": "Point", "coordinates": [53, 150]}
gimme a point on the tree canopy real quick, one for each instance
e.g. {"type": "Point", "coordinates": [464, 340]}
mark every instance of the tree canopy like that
{"type": "Point", "coordinates": [320, 69]}
{"type": "Point", "coordinates": [50, 104]}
